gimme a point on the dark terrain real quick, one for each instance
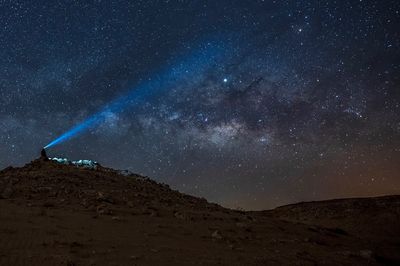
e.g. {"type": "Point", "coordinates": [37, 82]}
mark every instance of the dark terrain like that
{"type": "Point", "coordinates": [53, 214]}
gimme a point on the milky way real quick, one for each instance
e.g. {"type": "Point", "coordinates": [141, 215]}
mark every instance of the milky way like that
{"type": "Point", "coordinates": [302, 103]}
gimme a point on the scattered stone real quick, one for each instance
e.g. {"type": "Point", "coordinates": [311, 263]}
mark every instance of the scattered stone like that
{"type": "Point", "coordinates": [216, 235]}
{"type": "Point", "coordinates": [116, 218]}
{"type": "Point", "coordinates": [366, 254]}
{"type": "Point", "coordinates": [44, 189]}
{"type": "Point", "coordinates": [102, 197]}
{"type": "Point", "coordinates": [102, 209]}
{"type": "Point", "coordinates": [346, 253]}
{"type": "Point", "coordinates": [179, 215]}
{"type": "Point", "coordinates": [250, 218]}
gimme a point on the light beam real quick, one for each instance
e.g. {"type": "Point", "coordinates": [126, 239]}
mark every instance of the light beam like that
{"type": "Point", "coordinates": [195, 65]}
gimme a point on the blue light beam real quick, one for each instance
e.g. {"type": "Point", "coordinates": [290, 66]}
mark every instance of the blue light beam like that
{"type": "Point", "coordinates": [193, 66]}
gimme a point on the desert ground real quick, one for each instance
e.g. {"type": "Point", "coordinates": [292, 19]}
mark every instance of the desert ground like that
{"type": "Point", "coordinates": [54, 214]}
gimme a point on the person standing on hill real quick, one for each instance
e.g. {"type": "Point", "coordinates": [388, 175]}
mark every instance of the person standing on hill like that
{"type": "Point", "coordinates": [43, 155]}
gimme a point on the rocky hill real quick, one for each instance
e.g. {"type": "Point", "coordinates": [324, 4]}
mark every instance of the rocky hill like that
{"type": "Point", "coordinates": [102, 190]}
{"type": "Point", "coordinates": [56, 214]}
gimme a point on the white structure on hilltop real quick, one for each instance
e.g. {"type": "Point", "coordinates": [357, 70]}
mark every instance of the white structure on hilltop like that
{"type": "Point", "coordinates": [80, 163]}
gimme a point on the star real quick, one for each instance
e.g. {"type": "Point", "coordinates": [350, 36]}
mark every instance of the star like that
{"type": "Point", "coordinates": [288, 88]}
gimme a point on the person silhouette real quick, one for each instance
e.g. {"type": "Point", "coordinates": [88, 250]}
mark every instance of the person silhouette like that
{"type": "Point", "coordinates": [43, 155]}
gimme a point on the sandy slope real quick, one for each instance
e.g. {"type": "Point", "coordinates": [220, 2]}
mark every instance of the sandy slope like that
{"type": "Point", "coordinates": [53, 214]}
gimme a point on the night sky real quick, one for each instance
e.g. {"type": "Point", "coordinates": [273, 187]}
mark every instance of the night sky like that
{"type": "Point", "coordinates": [250, 104]}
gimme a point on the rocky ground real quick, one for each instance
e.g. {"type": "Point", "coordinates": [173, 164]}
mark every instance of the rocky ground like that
{"type": "Point", "coordinates": [53, 214]}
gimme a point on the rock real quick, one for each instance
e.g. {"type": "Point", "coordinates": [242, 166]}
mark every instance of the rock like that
{"type": "Point", "coordinates": [116, 218]}
{"type": "Point", "coordinates": [84, 203]}
{"type": "Point", "coordinates": [134, 257]}
{"type": "Point", "coordinates": [244, 226]}
{"type": "Point", "coordinates": [232, 246]}
{"type": "Point", "coordinates": [366, 254]}
{"type": "Point", "coordinates": [179, 215]}
{"type": "Point", "coordinates": [102, 197]}
{"type": "Point", "coordinates": [216, 235]}
{"type": "Point", "coordinates": [44, 189]}
{"type": "Point", "coordinates": [102, 209]}
{"type": "Point", "coordinates": [346, 253]}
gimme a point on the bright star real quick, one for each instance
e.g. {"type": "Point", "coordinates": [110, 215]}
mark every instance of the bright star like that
{"type": "Point", "coordinates": [225, 80]}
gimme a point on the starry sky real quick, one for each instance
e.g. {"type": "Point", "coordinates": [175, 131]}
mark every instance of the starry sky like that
{"type": "Point", "coordinates": [250, 104]}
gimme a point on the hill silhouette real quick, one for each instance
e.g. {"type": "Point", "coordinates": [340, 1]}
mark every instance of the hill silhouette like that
{"type": "Point", "coordinates": [56, 214]}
